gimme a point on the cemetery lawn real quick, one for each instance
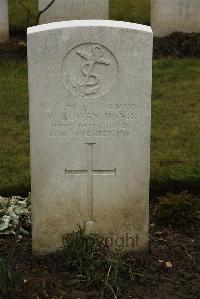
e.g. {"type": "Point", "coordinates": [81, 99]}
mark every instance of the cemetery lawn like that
{"type": "Point", "coordinates": [175, 142]}
{"type": "Point", "coordinates": [14, 131]}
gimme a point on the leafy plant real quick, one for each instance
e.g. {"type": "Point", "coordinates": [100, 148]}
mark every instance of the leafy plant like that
{"type": "Point", "coordinates": [95, 263]}
{"type": "Point", "coordinates": [14, 211]}
{"type": "Point", "coordinates": [176, 209]}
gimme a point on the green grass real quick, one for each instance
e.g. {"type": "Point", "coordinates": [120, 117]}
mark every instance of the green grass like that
{"type": "Point", "coordinates": [175, 146]}
{"type": "Point", "coordinates": [137, 11]}
{"type": "Point", "coordinates": [175, 140]}
{"type": "Point", "coordinates": [95, 263]}
{"type": "Point", "coordinates": [14, 131]}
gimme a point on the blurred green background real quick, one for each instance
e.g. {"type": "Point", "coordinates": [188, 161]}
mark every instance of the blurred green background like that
{"type": "Point", "coordinates": [22, 13]}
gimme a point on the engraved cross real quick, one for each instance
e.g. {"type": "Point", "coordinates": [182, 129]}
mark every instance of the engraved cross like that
{"type": "Point", "coordinates": [90, 172]}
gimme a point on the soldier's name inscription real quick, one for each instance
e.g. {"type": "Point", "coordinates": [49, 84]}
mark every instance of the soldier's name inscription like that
{"type": "Point", "coordinates": [89, 120]}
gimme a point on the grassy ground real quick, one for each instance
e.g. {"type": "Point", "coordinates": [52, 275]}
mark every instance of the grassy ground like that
{"type": "Point", "coordinates": [175, 146]}
{"type": "Point", "coordinates": [14, 146]}
{"type": "Point", "coordinates": [137, 11]}
{"type": "Point", "coordinates": [175, 153]}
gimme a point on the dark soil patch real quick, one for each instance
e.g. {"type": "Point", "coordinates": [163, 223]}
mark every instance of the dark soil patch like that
{"type": "Point", "coordinates": [158, 188]}
{"type": "Point", "coordinates": [178, 45]}
{"type": "Point", "coordinates": [45, 277]}
{"type": "Point", "coordinates": [15, 48]}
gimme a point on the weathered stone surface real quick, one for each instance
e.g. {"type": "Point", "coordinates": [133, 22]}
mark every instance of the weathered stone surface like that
{"type": "Point", "coordinates": [90, 110]}
{"type": "Point", "coordinates": [169, 16]}
{"type": "Point", "coordinates": [4, 26]}
{"type": "Point", "coordinates": [64, 10]}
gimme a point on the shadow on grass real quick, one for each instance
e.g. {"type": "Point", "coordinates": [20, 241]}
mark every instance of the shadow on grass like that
{"type": "Point", "coordinates": [159, 189]}
{"type": "Point", "coordinates": [156, 188]}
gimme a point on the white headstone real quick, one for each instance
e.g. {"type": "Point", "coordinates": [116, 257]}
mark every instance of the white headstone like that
{"type": "Point", "coordinates": [64, 10]}
{"type": "Point", "coordinates": [4, 26]}
{"type": "Point", "coordinates": [90, 110]}
{"type": "Point", "coordinates": [168, 16]}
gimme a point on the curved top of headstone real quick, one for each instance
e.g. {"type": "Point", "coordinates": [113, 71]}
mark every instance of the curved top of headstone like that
{"type": "Point", "coordinates": [88, 23]}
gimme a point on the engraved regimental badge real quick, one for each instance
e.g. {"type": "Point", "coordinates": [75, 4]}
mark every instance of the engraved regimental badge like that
{"type": "Point", "coordinates": [90, 70]}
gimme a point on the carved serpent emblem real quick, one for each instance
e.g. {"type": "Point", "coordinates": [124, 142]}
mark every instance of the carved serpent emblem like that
{"type": "Point", "coordinates": [93, 74]}
{"type": "Point", "coordinates": [90, 84]}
